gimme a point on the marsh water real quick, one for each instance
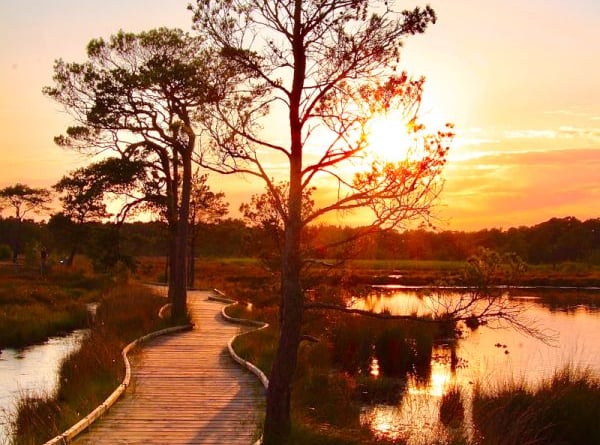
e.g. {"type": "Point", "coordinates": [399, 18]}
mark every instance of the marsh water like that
{"type": "Point", "coordinates": [486, 356]}
{"type": "Point", "coordinates": [32, 370]}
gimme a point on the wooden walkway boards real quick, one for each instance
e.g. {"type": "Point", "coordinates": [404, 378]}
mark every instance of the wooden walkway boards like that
{"type": "Point", "coordinates": [185, 389]}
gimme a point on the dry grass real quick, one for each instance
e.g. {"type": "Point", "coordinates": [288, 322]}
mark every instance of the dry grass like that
{"type": "Point", "coordinates": [90, 374]}
{"type": "Point", "coordinates": [562, 410]}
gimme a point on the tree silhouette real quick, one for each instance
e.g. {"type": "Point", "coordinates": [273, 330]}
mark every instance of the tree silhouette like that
{"type": "Point", "coordinates": [23, 199]}
{"type": "Point", "coordinates": [84, 191]}
{"type": "Point", "coordinates": [137, 95]}
{"type": "Point", "coordinates": [206, 207]}
{"type": "Point", "coordinates": [328, 67]}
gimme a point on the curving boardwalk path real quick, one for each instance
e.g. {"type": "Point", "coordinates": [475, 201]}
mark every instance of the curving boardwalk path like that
{"type": "Point", "coordinates": [185, 389]}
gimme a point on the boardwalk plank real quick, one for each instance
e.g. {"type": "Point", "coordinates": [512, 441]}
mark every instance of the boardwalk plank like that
{"type": "Point", "coordinates": [185, 390]}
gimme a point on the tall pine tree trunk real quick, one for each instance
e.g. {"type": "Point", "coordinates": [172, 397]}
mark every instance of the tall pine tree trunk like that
{"type": "Point", "coordinates": [278, 420]}
{"type": "Point", "coordinates": [179, 271]}
{"type": "Point", "coordinates": [277, 425]}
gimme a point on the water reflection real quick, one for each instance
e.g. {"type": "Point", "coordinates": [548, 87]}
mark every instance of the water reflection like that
{"type": "Point", "coordinates": [488, 356]}
{"type": "Point", "coordinates": [32, 370]}
{"type": "Point", "coordinates": [416, 418]}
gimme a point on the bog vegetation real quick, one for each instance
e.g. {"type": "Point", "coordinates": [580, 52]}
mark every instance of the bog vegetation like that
{"type": "Point", "coordinates": [94, 371]}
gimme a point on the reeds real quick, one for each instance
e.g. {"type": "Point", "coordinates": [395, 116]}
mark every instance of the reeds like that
{"type": "Point", "coordinates": [90, 374]}
{"type": "Point", "coordinates": [452, 408]}
{"type": "Point", "coordinates": [560, 410]}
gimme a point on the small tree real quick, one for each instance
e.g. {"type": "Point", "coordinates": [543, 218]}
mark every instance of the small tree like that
{"type": "Point", "coordinates": [24, 200]}
{"type": "Point", "coordinates": [206, 207]}
{"type": "Point", "coordinates": [83, 201]}
{"type": "Point", "coordinates": [137, 95]}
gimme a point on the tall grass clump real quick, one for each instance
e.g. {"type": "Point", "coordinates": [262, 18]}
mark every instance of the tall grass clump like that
{"type": "Point", "coordinates": [90, 374]}
{"type": "Point", "coordinates": [452, 408]}
{"type": "Point", "coordinates": [562, 410]}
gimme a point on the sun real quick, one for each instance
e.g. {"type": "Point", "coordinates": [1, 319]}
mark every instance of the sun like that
{"type": "Point", "coordinates": [390, 137]}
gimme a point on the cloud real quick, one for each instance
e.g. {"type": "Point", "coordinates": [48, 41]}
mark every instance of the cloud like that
{"type": "Point", "coordinates": [562, 132]}
{"type": "Point", "coordinates": [567, 112]}
{"type": "Point", "coordinates": [511, 189]}
{"type": "Point", "coordinates": [579, 132]}
{"type": "Point", "coordinates": [462, 141]}
{"type": "Point", "coordinates": [530, 134]}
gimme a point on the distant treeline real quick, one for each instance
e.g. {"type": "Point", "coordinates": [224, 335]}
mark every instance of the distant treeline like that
{"type": "Point", "coordinates": [554, 241]}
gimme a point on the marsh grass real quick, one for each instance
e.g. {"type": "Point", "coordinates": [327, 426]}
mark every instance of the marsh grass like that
{"type": "Point", "coordinates": [258, 347]}
{"type": "Point", "coordinates": [452, 408]}
{"type": "Point", "coordinates": [90, 374]}
{"type": "Point", "coordinates": [560, 410]}
{"type": "Point", "coordinates": [35, 307]}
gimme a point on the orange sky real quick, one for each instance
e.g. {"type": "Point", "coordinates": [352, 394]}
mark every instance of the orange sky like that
{"type": "Point", "coordinates": [520, 80]}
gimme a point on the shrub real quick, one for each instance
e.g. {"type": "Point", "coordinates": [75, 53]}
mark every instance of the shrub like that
{"type": "Point", "coordinates": [5, 252]}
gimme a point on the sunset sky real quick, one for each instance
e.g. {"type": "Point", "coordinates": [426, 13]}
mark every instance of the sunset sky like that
{"type": "Point", "coordinates": [519, 79]}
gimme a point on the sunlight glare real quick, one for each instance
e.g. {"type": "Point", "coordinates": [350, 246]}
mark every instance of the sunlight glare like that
{"type": "Point", "coordinates": [390, 137]}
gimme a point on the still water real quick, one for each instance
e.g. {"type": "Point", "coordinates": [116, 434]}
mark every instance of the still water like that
{"type": "Point", "coordinates": [487, 356]}
{"type": "Point", "coordinates": [32, 370]}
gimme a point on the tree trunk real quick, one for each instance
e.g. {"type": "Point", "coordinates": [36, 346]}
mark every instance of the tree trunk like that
{"type": "Point", "coordinates": [192, 259]}
{"type": "Point", "coordinates": [179, 269]}
{"type": "Point", "coordinates": [172, 260]}
{"type": "Point", "coordinates": [278, 423]}
{"type": "Point", "coordinates": [278, 420]}
{"type": "Point", "coordinates": [16, 239]}
{"type": "Point", "coordinates": [167, 271]}
{"type": "Point", "coordinates": [72, 255]}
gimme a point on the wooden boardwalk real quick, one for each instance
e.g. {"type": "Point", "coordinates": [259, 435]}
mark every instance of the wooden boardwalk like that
{"type": "Point", "coordinates": [185, 389]}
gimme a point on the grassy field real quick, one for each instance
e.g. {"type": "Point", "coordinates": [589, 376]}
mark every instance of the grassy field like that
{"type": "Point", "coordinates": [562, 410]}
{"type": "Point", "coordinates": [327, 399]}
{"type": "Point", "coordinates": [213, 272]}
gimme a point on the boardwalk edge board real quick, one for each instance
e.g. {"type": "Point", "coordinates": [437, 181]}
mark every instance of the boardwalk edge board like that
{"type": "Point", "coordinates": [85, 422]}
{"type": "Point", "coordinates": [221, 297]}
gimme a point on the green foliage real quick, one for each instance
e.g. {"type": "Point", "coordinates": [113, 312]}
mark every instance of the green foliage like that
{"type": "Point", "coordinates": [398, 346]}
{"type": "Point", "coordinates": [353, 344]}
{"type": "Point", "coordinates": [328, 398]}
{"type": "Point", "coordinates": [400, 350]}
{"type": "Point", "coordinates": [258, 347]}
{"type": "Point", "coordinates": [24, 199]}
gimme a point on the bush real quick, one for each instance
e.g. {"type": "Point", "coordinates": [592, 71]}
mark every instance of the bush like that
{"type": "Point", "coordinates": [5, 252]}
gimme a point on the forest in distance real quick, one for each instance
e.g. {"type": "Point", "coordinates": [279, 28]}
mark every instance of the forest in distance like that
{"type": "Point", "coordinates": [555, 241]}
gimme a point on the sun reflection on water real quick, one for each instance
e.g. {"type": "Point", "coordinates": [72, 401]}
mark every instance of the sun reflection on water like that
{"type": "Point", "coordinates": [416, 418]}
